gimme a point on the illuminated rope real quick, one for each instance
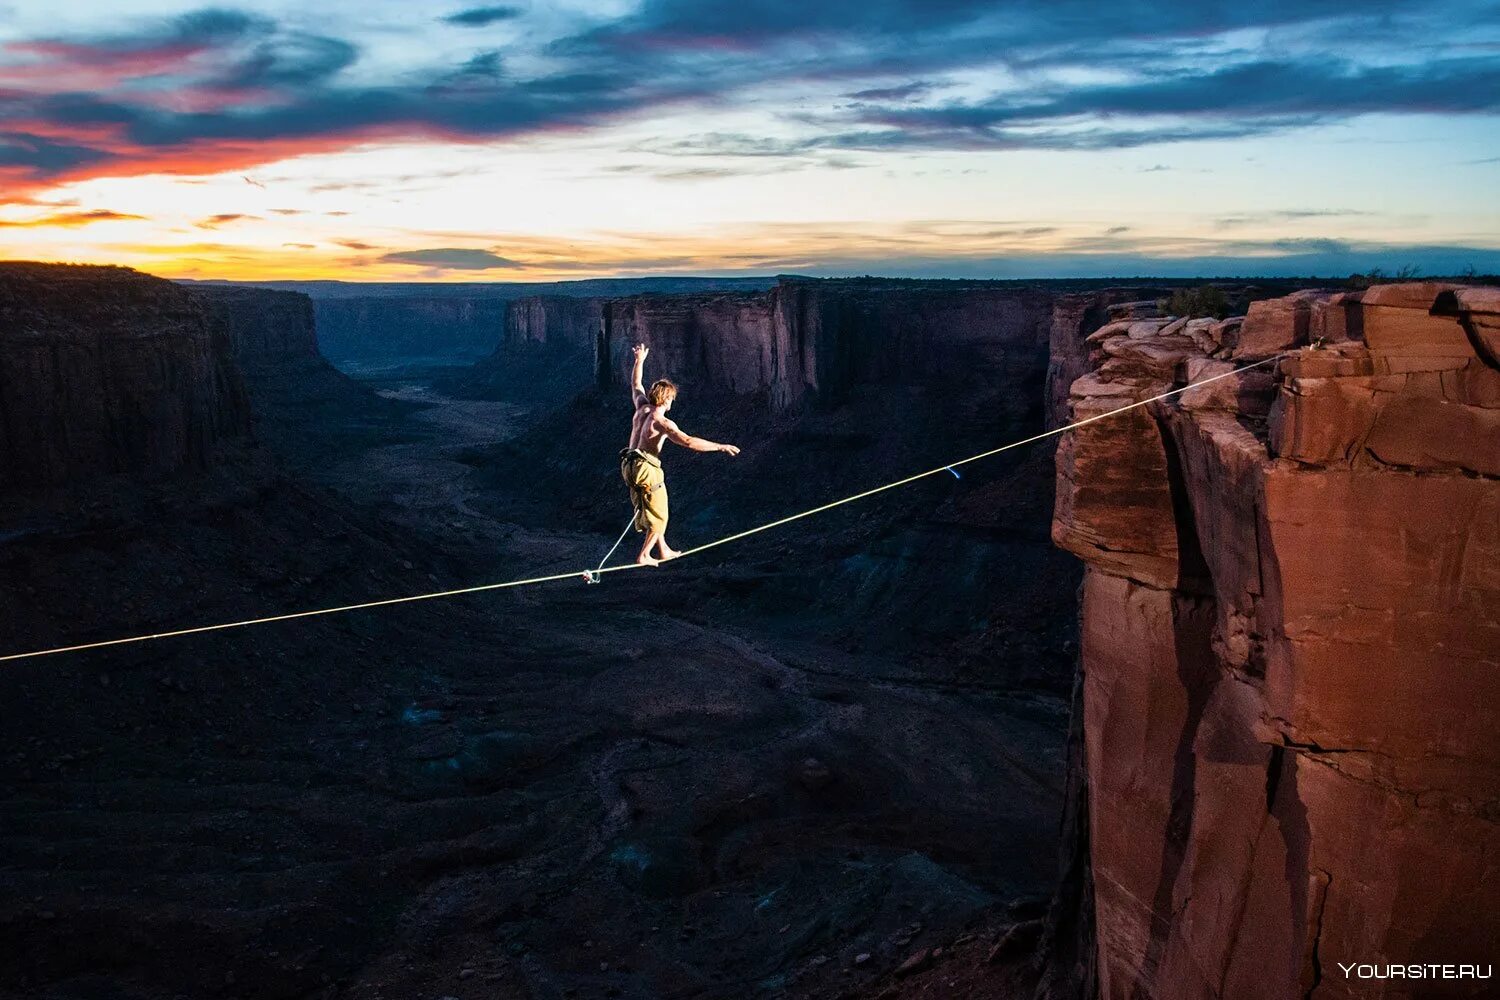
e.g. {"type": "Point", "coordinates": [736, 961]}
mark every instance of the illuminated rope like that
{"type": "Point", "coordinates": [593, 575]}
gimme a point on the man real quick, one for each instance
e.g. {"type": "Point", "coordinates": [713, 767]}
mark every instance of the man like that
{"type": "Point", "coordinates": [640, 464]}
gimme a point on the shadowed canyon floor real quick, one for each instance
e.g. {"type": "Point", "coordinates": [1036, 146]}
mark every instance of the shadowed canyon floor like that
{"type": "Point", "coordinates": [734, 776]}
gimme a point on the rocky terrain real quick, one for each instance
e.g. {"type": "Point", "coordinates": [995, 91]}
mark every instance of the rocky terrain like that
{"type": "Point", "coordinates": [676, 785]}
{"type": "Point", "coordinates": [1290, 647]}
{"type": "Point", "coordinates": [828, 761]}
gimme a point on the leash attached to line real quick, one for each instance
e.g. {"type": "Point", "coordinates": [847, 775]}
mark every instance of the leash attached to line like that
{"type": "Point", "coordinates": [594, 575]}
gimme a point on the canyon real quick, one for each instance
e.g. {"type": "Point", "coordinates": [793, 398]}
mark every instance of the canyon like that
{"type": "Point", "coordinates": [382, 325]}
{"type": "Point", "coordinates": [829, 761]}
{"type": "Point", "coordinates": [718, 782]}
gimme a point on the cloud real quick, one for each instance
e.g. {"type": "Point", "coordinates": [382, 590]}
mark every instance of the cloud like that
{"type": "Point", "coordinates": [904, 92]}
{"type": "Point", "coordinates": [70, 219]}
{"type": "Point", "coordinates": [223, 90]}
{"type": "Point", "coordinates": [224, 219]}
{"type": "Point", "coordinates": [451, 258]}
{"type": "Point", "coordinates": [479, 17]}
{"type": "Point", "coordinates": [354, 244]}
{"type": "Point", "coordinates": [1285, 215]}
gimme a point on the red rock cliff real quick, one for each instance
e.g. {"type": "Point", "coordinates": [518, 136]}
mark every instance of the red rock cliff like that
{"type": "Point", "coordinates": [108, 370]}
{"type": "Point", "coordinates": [1291, 644]}
{"type": "Point", "coordinates": [807, 339]}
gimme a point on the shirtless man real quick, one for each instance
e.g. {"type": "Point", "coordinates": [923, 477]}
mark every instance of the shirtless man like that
{"type": "Point", "coordinates": [640, 464]}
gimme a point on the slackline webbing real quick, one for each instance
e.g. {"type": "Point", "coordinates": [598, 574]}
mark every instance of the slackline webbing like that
{"type": "Point", "coordinates": [593, 575]}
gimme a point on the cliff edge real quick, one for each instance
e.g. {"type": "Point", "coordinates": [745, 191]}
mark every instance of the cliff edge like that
{"type": "Point", "coordinates": [107, 370]}
{"type": "Point", "coordinates": [1290, 649]}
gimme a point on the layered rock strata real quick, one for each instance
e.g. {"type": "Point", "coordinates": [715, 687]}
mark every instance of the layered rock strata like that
{"type": "Point", "coordinates": [818, 340]}
{"type": "Point", "coordinates": [106, 370]}
{"type": "Point", "coordinates": [1291, 643]}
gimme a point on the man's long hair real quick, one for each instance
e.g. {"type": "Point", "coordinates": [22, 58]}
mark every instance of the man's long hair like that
{"type": "Point", "coordinates": [661, 392]}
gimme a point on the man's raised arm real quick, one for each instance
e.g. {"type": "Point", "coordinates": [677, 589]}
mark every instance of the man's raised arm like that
{"type": "Point", "coordinates": [637, 385]}
{"type": "Point", "coordinates": [677, 435]}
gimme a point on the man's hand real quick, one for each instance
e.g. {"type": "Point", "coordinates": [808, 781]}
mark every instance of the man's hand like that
{"type": "Point", "coordinates": [729, 449]}
{"type": "Point", "coordinates": [640, 352]}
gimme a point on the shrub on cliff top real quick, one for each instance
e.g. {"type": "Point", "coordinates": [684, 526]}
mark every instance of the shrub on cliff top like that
{"type": "Point", "coordinates": [1205, 300]}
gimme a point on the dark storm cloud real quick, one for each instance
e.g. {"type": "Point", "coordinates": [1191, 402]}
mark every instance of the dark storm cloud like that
{"type": "Point", "coordinates": [291, 61]}
{"type": "Point", "coordinates": [454, 258]}
{"type": "Point", "coordinates": [479, 17]}
{"type": "Point", "coordinates": [265, 91]}
{"type": "Point", "coordinates": [1229, 102]}
{"type": "Point", "coordinates": [42, 155]}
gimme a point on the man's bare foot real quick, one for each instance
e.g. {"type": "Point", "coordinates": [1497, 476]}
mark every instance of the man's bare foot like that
{"type": "Point", "coordinates": [645, 560]}
{"type": "Point", "coordinates": [667, 553]}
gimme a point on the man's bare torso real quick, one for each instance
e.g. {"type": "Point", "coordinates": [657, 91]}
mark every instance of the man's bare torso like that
{"type": "Point", "coordinates": [646, 432]}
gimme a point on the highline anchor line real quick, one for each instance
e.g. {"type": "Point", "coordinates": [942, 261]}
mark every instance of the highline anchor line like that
{"type": "Point", "coordinates": [593, 575]}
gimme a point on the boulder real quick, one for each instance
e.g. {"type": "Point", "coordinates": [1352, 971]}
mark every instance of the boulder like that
{"type": "Point", "coordinates": [1273, 325]}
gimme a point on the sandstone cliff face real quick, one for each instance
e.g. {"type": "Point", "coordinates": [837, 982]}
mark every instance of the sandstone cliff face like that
{"type": "Point", "coordinates": [266, 328]}
{"type": "Point", "coordinates": [106, 370]}
{"type": "Point", "coordinates": [558, 321]}
{"type": "Point", "coordinates": [810, 340]}
{"type": "Point", "coordinates": [1074, 318]}
{"type": "Point", "coordinates": [545, 356]}
{"type": "Point", "coordinates": [1291, 643]}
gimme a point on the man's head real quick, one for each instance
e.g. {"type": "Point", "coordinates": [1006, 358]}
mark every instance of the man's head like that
{"type": "Point", "coordinates": [661, 393]}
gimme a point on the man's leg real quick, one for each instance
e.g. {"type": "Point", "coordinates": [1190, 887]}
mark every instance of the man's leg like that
{"type": "Point", "coordinates": [645, 558]}
{"type": "Point", "coordinates": [663, 549]}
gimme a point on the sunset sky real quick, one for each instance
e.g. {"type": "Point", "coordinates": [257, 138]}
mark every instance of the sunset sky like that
{"type": "Point", "coordinates": [398, 140]}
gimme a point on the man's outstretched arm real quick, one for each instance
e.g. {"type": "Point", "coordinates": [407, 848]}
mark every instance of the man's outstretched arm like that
{"type": "Point", "coordinates": [677, 435]}
{"type": "Point", "coordinates": [637, 375]}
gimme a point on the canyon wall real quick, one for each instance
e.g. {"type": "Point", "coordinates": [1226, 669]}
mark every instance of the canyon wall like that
{"type": "Point", "coordinates": [558, 321]}
{"type": "Point", "coordinates": [383, 323]}
{"type": "Point", "coordinates": [545, 355]}
{"type": "Point", "coordinates": [266, 328]}
{"type": "Point", "coordinates": [1074, 317]}
{"type": "Point", "coordinates": [808, 339]}
{"type": "Point", "coordinates": [1290, 650]}
{"type": "Point", "coordinates": [106, 370]}
{"type": "Point", "coordinates": [387, 328]}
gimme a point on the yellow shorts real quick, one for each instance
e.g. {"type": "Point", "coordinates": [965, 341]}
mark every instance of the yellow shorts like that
{"type": "Point", "coordinates": [648, 489]}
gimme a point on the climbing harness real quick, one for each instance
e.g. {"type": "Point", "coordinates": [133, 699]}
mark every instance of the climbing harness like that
{"type": "Point", "coordinates": [594, 575]}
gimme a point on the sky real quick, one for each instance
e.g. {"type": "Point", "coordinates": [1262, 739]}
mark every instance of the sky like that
{"type": "Point", "coordinates": [388, 140]}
